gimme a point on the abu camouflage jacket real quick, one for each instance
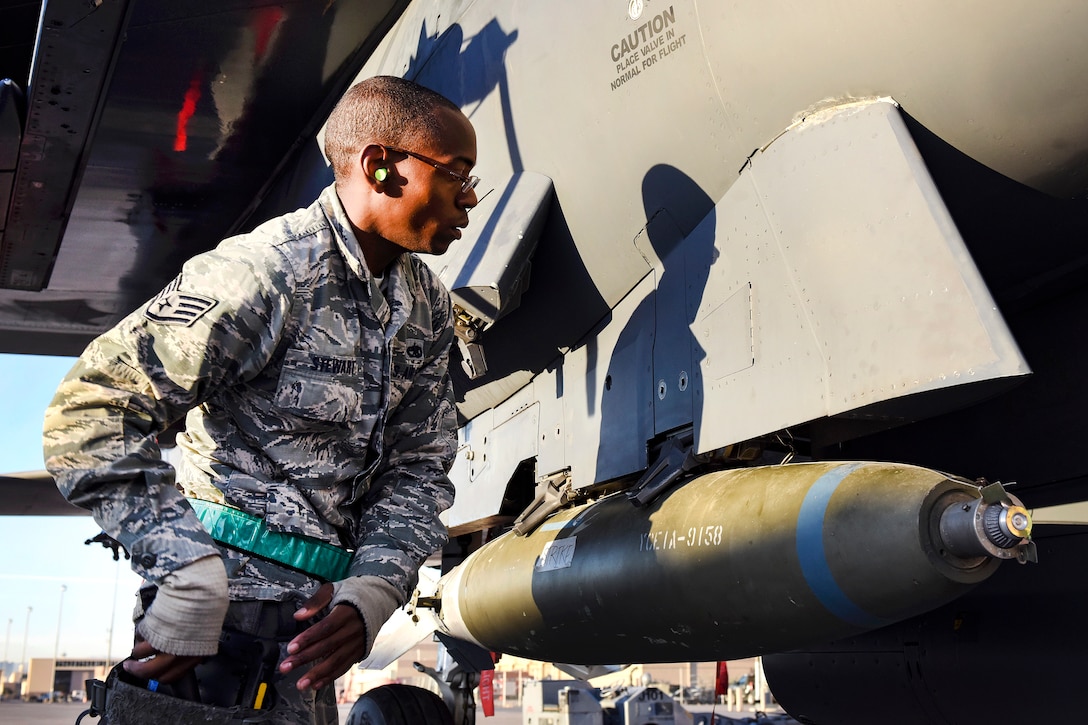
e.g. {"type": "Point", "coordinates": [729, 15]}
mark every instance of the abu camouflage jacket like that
{"type": "Point", "coordinates": [314, 400]}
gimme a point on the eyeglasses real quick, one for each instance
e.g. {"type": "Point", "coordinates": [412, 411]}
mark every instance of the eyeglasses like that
{"type": "Point", "coordinates": [467, 182]}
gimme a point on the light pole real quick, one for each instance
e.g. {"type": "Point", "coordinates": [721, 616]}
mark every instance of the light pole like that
{"type": "Point", "coordinates": [22, 660]}
{"type": "Point", "coordinates": [113, 615]}
{"type": "Point", "coordinates": [56, 645]}
{"type": "Point", "coordinates": [7, 641]}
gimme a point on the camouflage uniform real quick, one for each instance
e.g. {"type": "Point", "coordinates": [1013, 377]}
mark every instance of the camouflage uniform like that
{"type": "Point", "coordinates": [314, 400]}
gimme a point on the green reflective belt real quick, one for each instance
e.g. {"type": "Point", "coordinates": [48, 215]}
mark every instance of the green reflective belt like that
{"type": "Point", "coordinates": [246, 532]}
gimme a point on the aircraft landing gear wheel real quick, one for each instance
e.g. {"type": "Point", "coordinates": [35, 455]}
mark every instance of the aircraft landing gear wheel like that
{"type": "Point", "coordinates": [399, 705]}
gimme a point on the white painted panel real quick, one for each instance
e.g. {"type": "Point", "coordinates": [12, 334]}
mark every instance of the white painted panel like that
{"type": "Point", "coordinates": [862, 289]}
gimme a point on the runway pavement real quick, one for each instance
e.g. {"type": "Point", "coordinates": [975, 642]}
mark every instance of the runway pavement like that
{"type": "Point", "coordinates": [65, 713]}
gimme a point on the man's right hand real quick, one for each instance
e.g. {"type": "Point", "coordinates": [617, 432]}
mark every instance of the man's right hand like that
{"type": "Point", "coordinates": [147, 663]}
{"type": "Point", "coordinates": [183, 623]}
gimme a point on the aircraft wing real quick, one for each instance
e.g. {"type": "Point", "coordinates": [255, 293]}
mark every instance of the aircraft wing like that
{"type": "Point", "coordinates": [136, 134]}
{"type": "Point", "coordinates": [33, 494]}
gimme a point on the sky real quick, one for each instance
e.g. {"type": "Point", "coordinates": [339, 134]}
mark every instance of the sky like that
{"type": "Point", "coordinates": [40, 554]}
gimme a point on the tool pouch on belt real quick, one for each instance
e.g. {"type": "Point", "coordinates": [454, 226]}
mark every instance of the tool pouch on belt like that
{"type": "Point", "coordinates": [123, 700]}
{"type": "Point", "coordinates": [241, 673]}
{"type": "Point", "coordinates": [237, 679]}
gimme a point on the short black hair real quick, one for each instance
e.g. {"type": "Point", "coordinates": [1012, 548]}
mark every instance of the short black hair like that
{"type": "Point", "coordinates": [383, 109]}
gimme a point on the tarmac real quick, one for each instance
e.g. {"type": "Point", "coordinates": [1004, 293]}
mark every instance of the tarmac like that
{"type": "Point", "coordinates": [15, 712]}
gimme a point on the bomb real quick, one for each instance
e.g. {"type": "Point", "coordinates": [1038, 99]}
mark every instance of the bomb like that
{"type": "Point", "coordinates": [733, 564]}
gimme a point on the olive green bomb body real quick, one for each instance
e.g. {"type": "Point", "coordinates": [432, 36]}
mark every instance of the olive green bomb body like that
{"type": "Point", "coordinates": [730, 564]}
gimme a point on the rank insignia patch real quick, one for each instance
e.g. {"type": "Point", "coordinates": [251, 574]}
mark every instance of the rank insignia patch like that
{"type": "Point", "coordinates": [173, 307]}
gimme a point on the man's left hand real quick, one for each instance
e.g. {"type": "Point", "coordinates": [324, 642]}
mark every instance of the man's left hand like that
{"type": "Point", "coordinates": [334, 643]}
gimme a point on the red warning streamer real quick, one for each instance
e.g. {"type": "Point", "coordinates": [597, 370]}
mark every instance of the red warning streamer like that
{"type": "Point", "coordinates": [721, 681]}
{"type": "Point", "coordinates": [487, 692]}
